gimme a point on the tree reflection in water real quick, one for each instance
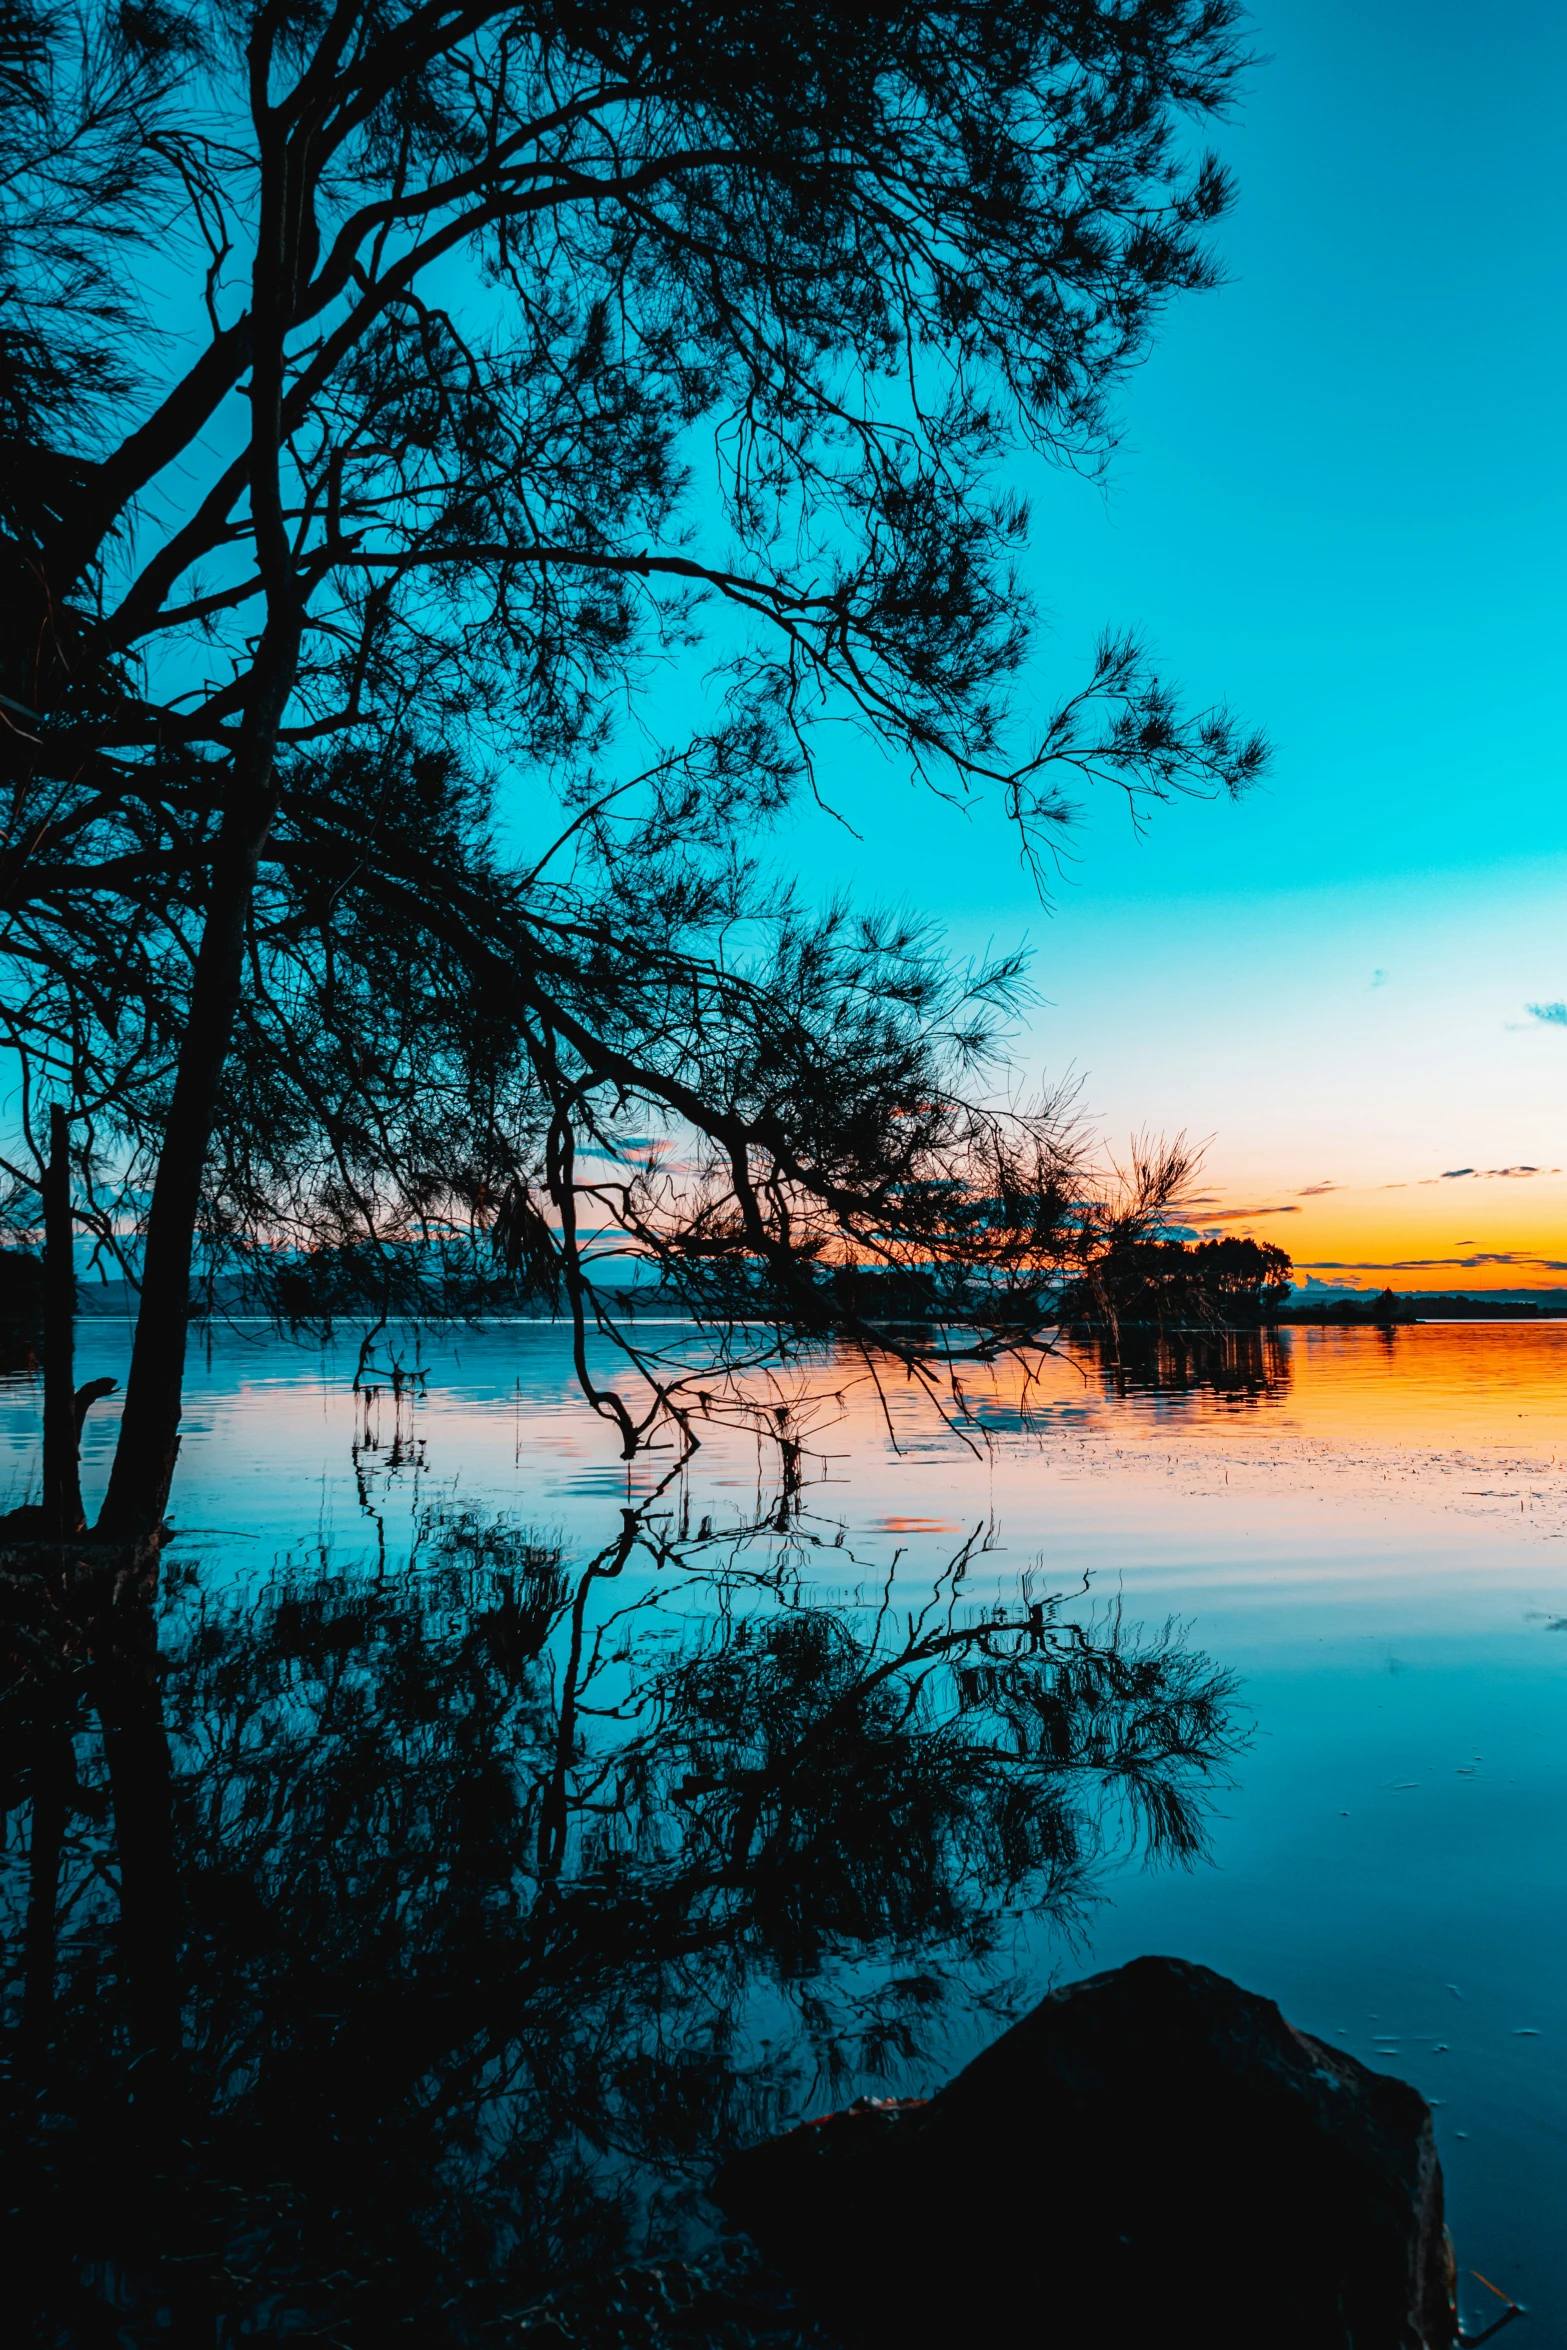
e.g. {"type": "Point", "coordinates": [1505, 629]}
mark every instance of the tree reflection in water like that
{"type": "Point", "coordinates": [381, 1952]}
{"type": "Point", "coordinates": [1231, 1366]}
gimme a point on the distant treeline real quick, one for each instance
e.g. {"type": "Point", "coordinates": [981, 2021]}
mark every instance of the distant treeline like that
{"type": "Point", "coordinates": [1151, 1285]}
{"type": "Point", "coordinates": [1419, 1306]}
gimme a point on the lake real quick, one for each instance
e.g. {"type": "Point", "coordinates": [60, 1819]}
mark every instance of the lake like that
{"type": "Point", "coordinates": [529, 1829]}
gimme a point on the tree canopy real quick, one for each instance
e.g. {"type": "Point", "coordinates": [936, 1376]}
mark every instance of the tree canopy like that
{"type": "Point", "coordinates": [457, 459]}
{"type": "Point", "coordinates": [1195, 1284]}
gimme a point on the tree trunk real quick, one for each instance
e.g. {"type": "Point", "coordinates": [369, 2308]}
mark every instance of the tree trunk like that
{"type": "Point", "coordinates": [62, 1495]}
{"type": "Point", "coordinates": [149, 1439]}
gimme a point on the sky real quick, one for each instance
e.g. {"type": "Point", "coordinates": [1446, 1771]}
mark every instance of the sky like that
{"type": "Point", "coordinates": [1339, 504]}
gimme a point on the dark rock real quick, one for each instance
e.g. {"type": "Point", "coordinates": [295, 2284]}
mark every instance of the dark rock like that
{"type": "Point", "coordinates": [1152, 2156]}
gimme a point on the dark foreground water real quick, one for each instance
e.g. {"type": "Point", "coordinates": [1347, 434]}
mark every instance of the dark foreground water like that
{"type": "Point", "coordinates": [481, 1839]}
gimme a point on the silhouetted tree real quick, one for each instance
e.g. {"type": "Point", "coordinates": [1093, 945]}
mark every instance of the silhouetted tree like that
{"type": "Point", "coordinates": [388, 395]}
{"type": "Point", "coordinates": [1181, 1284]}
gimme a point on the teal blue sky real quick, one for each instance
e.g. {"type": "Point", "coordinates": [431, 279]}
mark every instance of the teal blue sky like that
{"type": "Point", "coordinates": [1339, 504]}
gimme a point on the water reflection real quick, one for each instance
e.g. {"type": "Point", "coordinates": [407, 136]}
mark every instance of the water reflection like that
{"type": "Point", "coordinates": [381, 1950]}
{"type": "Point", "coordinates": [1230, 1366]}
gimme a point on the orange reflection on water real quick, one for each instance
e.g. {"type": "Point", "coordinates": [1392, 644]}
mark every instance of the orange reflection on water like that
{"type": "Point", "coordinates": [1438, 1383]}
{"type": "Point", "coordinates": [1432, 1386]}
{"type": "Point", "coordinates": [1346, 1469]}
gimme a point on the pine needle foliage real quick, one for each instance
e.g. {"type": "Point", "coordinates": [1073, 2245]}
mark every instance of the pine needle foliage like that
{"type": "Point", "coordinates": [460, 460]}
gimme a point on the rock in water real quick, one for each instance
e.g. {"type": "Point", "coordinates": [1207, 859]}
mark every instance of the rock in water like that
{"type": "Point", "coordinates": [1153, 2156]}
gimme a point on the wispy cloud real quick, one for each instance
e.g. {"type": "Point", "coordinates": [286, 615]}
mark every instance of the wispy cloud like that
{"type": "Point", "coordinates": [1554, 1015]}
{"type": "Point", "coordinates": [1437, 1264]}
{"type": "Point", "coordinates": [1244, 1215]}
{"type": "Point", "coordinates": [1485, 1174]}
{"type": "Point", "coordinates": [1315, 1190]}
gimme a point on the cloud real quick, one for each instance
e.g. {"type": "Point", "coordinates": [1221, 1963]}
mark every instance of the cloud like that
{"type": "Point", "coordinates": [1379, 979]}
{"type": "Point", "coordinates": [1483, 1174]}
{"type": "Point", "coordinates": [1437, 1264]}
{"type": "Point", "coordinates": [1554, 1015]}
{"type": "Point", "coordinates": [1243, 1215]}
{"type": "Point", "coordinates": [1315, 1190]}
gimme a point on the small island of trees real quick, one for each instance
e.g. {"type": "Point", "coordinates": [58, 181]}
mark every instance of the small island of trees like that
{"type": "Point", "coordinates": [1176, 1283]}
{"type": "Point", "coordinates": [1233, 1283]}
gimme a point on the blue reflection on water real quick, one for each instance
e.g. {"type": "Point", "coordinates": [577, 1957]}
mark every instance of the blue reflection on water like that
{"type": "Point", "coordinates": [1371, 1533]}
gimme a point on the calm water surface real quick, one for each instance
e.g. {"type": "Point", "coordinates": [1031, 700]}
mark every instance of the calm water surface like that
{"type": "Point", "coordinates": [1366, 1531]}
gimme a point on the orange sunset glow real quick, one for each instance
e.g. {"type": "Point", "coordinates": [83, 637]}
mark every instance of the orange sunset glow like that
{"type": "Point", "coordinates": [1473, 1229]}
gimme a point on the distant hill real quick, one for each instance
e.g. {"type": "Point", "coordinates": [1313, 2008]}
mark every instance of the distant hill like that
{"type": "Point", "coordinates": [1313, 1292]}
